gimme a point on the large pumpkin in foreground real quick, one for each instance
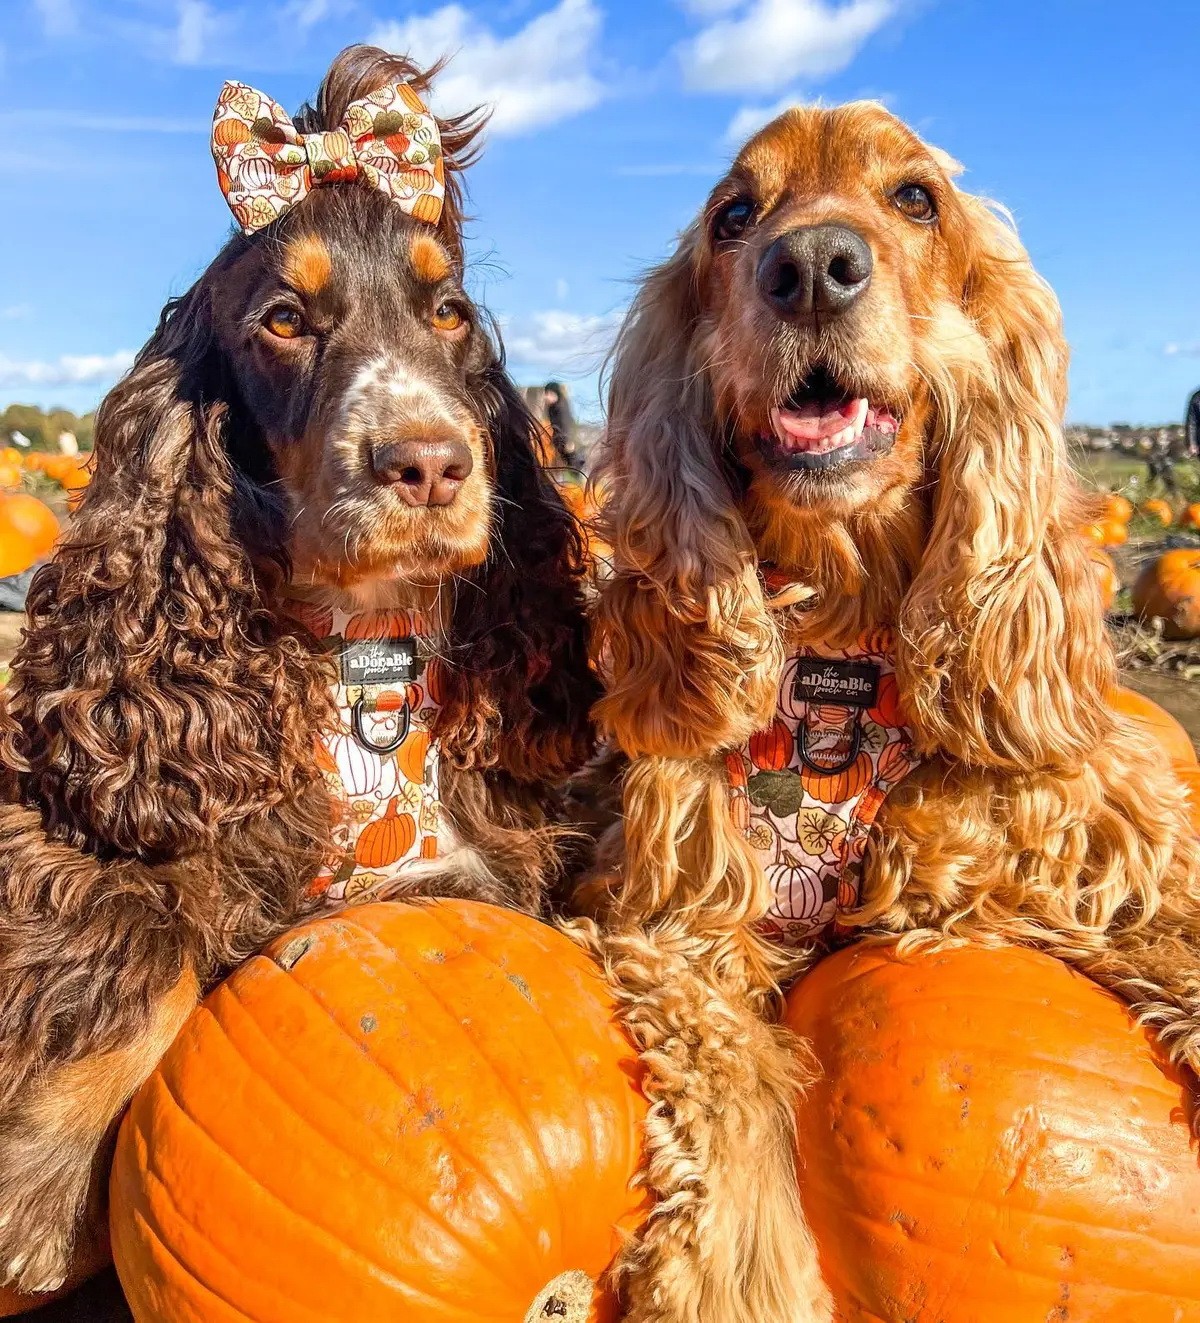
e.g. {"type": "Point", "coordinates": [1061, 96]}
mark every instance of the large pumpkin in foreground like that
{"type": "Point", "coordinates": [418, 1113]}
{"type": "Point", "coordinates": [992, 1141]}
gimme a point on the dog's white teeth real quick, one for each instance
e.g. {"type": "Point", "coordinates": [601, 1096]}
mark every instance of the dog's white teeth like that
{"type": "Point", "coordinates": [859, 419]}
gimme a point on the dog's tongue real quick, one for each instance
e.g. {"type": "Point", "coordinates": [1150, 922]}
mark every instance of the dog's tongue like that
{"type": "Point", "coordinates": [820, 425]}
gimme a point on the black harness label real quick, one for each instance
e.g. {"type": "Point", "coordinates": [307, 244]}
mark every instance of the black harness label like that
{"type": "Point", "coordinates": [379, 661]}
{"type": "Point", "coordinates": [846, 683]}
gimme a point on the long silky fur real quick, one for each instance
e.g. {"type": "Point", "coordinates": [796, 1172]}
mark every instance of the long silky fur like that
{"type": "Point", "coordinates": [1038, 816]}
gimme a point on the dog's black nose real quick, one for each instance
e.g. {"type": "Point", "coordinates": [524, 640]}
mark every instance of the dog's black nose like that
{"type": "Point", "coordinates": [423, 471]}
{"type": "Point", "coordinates": [818, 270]}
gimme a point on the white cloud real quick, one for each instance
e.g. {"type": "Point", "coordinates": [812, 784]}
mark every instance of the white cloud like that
{"type": "Point", "coordinates": [59, 18]}
{"type": "Point", "coordinates": [570, 343]}
{"type": "Point", "coordinates": [195, 27]}
{"type": "Point", "coordinates": [69, 370]}
{"type": "Point", "coordinates": [769, 43]}
{"type": "Point", "coordinates": [561, 289]}
{"type": "Point", "coordinates": [308, 13]}
{"type": "Point", "coordinates": [1174, 350]}
{"type": "Point", "coordinates": [535, 76]}
{"type": "Point", "coordinates": [750, 119]}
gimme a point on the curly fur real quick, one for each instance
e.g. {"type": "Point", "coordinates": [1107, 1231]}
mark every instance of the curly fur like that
{"type": "Point", "coordinates": [165, 814]}
{"type": "Point", "coordinates": [1037, 817]}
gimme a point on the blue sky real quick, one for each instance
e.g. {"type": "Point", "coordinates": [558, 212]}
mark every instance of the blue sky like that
{"type": "Point", "coordinates": [613, 118]}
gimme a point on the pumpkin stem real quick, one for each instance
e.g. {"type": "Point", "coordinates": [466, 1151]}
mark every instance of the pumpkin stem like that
{"type": "Point", "coordinates": [392, 810]}
{"type": "Point", "coordinates": [566, 1299]}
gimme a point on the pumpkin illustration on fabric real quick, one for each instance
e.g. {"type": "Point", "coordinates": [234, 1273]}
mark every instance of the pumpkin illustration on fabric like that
{"type": "Point", "coordinates": [771, 749]}
{"type": "Point", "coordinates": [799, 890]}
{"type": "Point", "coordinates": [833, 788]}
{"type": "Point", "coordinates": [382, 843]}
{"type": "Point", "coordinates": [887, 710]}
{"type": "Point", "coordinates": [410, 757]}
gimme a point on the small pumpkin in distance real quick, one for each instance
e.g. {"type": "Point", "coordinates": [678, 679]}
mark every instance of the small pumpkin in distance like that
{"type": "Point", "coordinates": [1158, 723]}
{"type": "Point", "coordinates": [1092, 533]}
{"type": "Point", "coordinates": [1160, 510]}
{"type": "Point", "coordinates": [1190, 516]}
{"type": "Point", "coordinates": [1118, 507]}
{"type": "Point", "coordinates": [991, 1113]}
{"type": "Point", "coordinates": [1113, 533]}
{"type": "Point", "coordinates": [419, 1113]}
{"type": "Point", "coordinates": [1168, 589]}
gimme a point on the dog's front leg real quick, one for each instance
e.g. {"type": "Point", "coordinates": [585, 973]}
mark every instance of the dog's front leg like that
{"type": "Point", "coordinates": [54, 1148]}
{"type": "Point", "coordinates": [725, 1240]}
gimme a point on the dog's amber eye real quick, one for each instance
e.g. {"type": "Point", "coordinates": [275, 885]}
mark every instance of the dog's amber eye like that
{"type": "Point", "coordinates": [286, 323]}
{"type": "Point", "coordinates": [446, 317]}
{"type": "Point", "coordinates": [732, 220]}
{"type": "Point", "coordinates": [916, 202]}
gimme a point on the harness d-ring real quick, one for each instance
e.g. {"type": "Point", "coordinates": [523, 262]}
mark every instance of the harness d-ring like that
{"type": "Point", "coordinates": [356, 721]}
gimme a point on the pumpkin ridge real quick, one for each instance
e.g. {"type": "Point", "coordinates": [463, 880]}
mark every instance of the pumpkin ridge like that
{"type": "Point", "coordinates": [382, 1172]}
{"type": "Point", "coordinates": [282, 1203]}
{"type": "Point", "coordinates": [581, 1089]}
{"type": "Point", "coordinates": [151, 1228]}
{"type": "Point", "coordinates": [514, 1100]}
{"type": "Point", "coordinates": [501, 1193]}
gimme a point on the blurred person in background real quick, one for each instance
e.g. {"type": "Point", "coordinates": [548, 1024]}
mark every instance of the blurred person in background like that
{"type": "Point", "coordinates": [562, 424]}
{"type": "Point", "coordinates": [1191, 426]}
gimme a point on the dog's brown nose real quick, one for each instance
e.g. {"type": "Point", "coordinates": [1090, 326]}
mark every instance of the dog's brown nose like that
{"type": "Point", "coordinates": [423, 471]}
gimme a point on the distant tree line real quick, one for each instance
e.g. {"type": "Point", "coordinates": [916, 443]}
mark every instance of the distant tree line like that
{"type": "Point", "coordinates": [43, 426]}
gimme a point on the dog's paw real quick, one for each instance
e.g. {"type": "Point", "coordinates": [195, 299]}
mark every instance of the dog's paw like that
{"type": "Point", "coordinates": [41, 1208]}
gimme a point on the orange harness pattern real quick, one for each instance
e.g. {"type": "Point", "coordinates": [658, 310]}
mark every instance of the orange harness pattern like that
{"type": "Point", "coordinates": [379, 763]}
{"type": "Point", "coordinates": [806, 791]}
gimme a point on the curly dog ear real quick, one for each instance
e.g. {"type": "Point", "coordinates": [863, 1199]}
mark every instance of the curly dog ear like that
{"type": "Point", "coordinates": [1002, 657]}
{"type": "Point", "coordinates": [519, 681]}
{"type": "Point", "coordinates": [690, 655]}
{"type": "Point", "coordinates": [154, 701]}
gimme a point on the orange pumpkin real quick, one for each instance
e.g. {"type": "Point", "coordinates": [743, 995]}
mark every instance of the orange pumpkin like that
{"type": "Point", "coordinates": [833, 788]}
{"type": "Point", "coordinates": [1107, 579]}
{"type": "Point", "coordinates": [771, 749]}
{"type": "Point", "coordinates": [405, 1112]}
{"type": "Point", "coordinates": [410, 756]}
{"type": "Point", "coordinates": [382, 843]}
{"type": "Point", "coordinates": [1113, 533]}
{"type": "Point", "coordinates": [1159, 510]}
{"type": "Point", "coordinates": [1158, 723]}
{"type": "Point", "coordinates": [990, 1137]}
{"type": "Point", "coordinates": [1119, 507]}
{"type": "Point", "coordinates": [25, 516]}
{"type": "Point", "coordinates": [1168, 589]}
{"type": "Point", "coordinates": [1190, 516]}
{"type": "Point", "coordinates": [894, 761]}
{"type": "Point", "coordinates": [1092, 533]}
{"type": "Point", "coordinates": [887, 710]}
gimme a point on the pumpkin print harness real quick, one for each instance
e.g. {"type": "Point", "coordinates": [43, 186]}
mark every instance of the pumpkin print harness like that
{"type": "Point", "coordinates": [380, 765]}
{"type": "Point", "coordinates": [806, 791]}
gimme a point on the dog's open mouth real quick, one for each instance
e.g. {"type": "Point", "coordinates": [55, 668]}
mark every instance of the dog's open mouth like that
{"type": "Point", "coordinates": [822, 425]}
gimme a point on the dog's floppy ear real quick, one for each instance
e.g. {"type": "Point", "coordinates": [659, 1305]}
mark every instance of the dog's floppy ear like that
{"type": "Point", "coordinates": [154, 701]}
{"type": "Point", "coordinates": [690, 655]}
{"type": "Point", "coordinates": [1002, 656]}
{"type": "Point", "coordinates": [520, 685]}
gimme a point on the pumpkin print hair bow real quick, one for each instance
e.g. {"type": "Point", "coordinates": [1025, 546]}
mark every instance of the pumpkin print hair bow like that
{"type": "Point", "coordinates": [265, 167]}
